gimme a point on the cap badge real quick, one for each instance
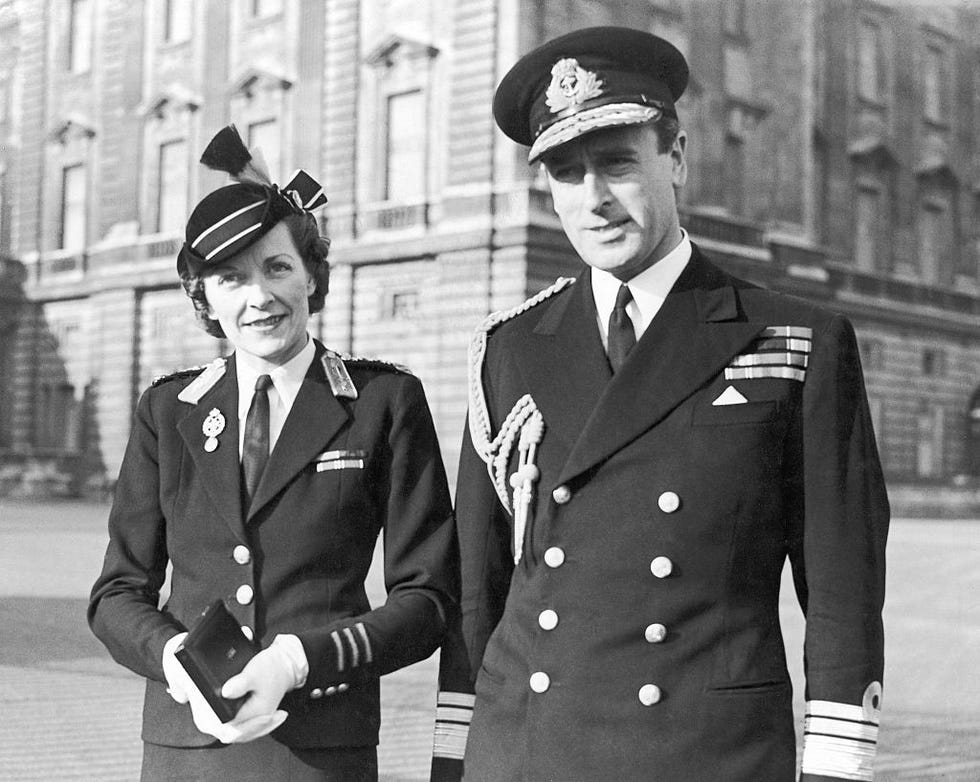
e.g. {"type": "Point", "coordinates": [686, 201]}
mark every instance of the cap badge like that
{"type": "Point", "coordinates": [571, 85]}
{"type": "Point", "coordinates": [213, 425]}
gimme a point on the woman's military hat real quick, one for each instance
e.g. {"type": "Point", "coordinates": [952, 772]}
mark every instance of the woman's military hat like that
{"type": "Point", "coordinates": [235, 216]}
{"type": "Point", "coordinates": [595, 78]}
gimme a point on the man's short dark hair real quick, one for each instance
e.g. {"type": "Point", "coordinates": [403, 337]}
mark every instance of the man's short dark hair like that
{"type": "Point", "coordinates": [667, 129]}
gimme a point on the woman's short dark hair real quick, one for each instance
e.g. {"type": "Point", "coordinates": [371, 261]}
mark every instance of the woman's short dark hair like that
{"type": "Point", "coordinates": [313, 250]}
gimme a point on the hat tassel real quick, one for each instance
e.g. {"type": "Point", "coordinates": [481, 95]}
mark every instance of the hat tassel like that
{"type": "Point", "coordinates": [227, 152]}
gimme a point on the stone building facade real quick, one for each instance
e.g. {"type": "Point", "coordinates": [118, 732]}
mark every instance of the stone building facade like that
{"type": "Point", "coordinates": [834, 153]}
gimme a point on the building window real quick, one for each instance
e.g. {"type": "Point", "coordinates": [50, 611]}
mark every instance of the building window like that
{"type": "Point", "coordinates": [402, 305]}
{"type": "Point", "coordinates": [80, 36]}
{"type": "Point", "coordinates": [734, 11]}
{"type": "Point", "coordinates": [3, 192]}
{"type": "Point", "coordinates": [6, 382]}
{"type": "Point", "coordinates": [59, 417]}
{"type": "Point", "coordinates": [73, 207]}
{"type": "Point", "coordinates": [264, 7]}
{"type": "Point", "coordinates": [934, 81]}
{"type": "Point", "coordinates": [734, 176]}
{"type": "Point", "coordinates": [172, 186]}
{"type": "Point", "coordinates": [405, 147]}
{"type": "Point", "coordinates": [872, 85]}
{"type": "Point", "coordinates": [929, 447]}
{"type": "Point", "coordinates": [934, 362]}
{"type": "Point", "coordinates": [872, 353]}
{"type": "Point", "coordinates": [934, 223]}
{"type": "Point", "coordinates": [867, 228]}
{"type": "Point", "coordinates": [972, 259]}
{"type": "Point", "coordinates": [176, 20]}
{"type": "Point", "coordinates": [265, 137]}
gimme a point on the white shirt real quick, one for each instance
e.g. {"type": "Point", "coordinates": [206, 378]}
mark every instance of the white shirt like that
{"type": "Point", "coordinates": [286, 381]}
{"type": "Point", "coordinates": [649, 288]}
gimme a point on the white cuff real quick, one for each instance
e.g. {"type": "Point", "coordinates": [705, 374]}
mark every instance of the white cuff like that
{"type": "Point", "coordinates": [294, 653]}
{"type": "Point", "coordinates": [840, 739]}
{"type": "Point", "coordinates": [454, 710]}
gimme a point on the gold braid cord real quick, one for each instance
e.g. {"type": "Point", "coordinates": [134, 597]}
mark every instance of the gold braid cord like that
{"type": "Point", "coordinates": [523, 423]}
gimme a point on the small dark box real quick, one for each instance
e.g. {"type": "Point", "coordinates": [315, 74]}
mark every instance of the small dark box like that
{"type": "Point", "coordinates": [215, 650]}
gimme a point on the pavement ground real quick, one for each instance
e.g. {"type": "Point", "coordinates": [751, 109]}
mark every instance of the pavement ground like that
{"type": "Point", "coordinates": [70, 713]}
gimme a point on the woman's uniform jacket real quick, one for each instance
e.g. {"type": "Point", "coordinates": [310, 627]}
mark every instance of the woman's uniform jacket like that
{"type": "Point", "coordinates": [638, 635]}
{"type": "Point", "coordinates": [357, 456]}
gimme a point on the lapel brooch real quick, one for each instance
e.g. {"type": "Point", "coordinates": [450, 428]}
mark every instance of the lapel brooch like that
{"type": "Point", "coordinates": [213, 425]}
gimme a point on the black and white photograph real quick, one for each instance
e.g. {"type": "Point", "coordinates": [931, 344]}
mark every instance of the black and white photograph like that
{"type": "Point", "coordinates": [490, 390]}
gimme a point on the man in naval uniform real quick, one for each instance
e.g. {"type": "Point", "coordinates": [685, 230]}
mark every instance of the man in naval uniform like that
{"type": "Point", "coordinates": [646, 445]}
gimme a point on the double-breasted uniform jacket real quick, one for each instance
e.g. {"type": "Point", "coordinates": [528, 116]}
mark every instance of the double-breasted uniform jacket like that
{"type": "Point", "coordinates": [357, 456]}
{"type": "Point", "coordinates": [637, 637]}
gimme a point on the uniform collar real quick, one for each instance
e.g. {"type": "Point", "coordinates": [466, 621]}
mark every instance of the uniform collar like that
{"type": "Point", "coordinates": [649, 288]}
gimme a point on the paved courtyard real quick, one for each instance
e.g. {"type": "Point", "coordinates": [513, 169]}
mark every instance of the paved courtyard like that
{"type": "Point", "coordinates": [70, 713]}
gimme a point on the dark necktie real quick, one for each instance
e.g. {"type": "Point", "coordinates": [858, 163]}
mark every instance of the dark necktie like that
{"type": "Point", "coordinates": [621, 335]}
{"type": "Point", "coordinates": [255, 449]}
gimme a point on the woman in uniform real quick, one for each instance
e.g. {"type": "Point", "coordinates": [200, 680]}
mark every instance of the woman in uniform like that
{"type": "Point", "coordinates": [264, 479]}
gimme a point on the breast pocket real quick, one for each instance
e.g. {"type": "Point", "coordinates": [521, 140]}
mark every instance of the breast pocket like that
{"type": "Point", "coordinates": [745, 413]}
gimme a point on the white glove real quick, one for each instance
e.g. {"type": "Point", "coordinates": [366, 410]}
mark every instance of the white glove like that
{"type": "Point", "coordinates": [268, 677]}
{"type": "Point", "coordinates": [182, 689]}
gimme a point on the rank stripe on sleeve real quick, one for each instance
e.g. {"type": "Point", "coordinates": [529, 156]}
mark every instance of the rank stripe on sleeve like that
{"type": "Point", "coordinates": [841, 740]}
{"type": "Point", "coordinates": [454, 710]}
{"type": "Point", "coordinates": [352, 647]}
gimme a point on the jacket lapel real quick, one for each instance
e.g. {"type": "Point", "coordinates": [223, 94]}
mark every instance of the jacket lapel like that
{"type": "Point", "coordinates": [315, 417]}
{"type": "Point", "coordinates": [691, 339]}
{"type": "Point", "coordinates": [564, 364]}
{"type": "Point", "coordinates": [220, 469]}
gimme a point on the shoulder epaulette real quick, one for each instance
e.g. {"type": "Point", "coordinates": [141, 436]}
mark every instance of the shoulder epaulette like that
{"type": "Point", "coordinates": [377, 363]}
{"type": "Point", "coordinates": [335, 367]}
{"type": "Point", "coordinates": [486, 444]}
{"type": "Point", "coordinates": [208, 375]}
{"type": "Point", "coordinates": [337, 375]}
{"type": "Point", "coordinates": [178, 374]}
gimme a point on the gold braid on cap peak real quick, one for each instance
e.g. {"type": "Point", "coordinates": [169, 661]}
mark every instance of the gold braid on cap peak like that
{"type": "Point", "coordinates": [495, 450]}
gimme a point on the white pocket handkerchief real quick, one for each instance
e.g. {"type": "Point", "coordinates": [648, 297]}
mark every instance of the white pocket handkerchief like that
{"type": "Point", "coordinates": [730, 396]}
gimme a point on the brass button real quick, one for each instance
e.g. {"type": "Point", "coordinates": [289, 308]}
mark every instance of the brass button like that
{"type": "Point", "coordinates": [548, 619]}
{"type": "Point", "coordinates": [244, 594]}
{"type": "Point", "coordinates": [242, 555]}
{"type": "Point", "coordinates": [661, 567]}
{"type": "Point", "coordinates": [655, 633]}
{"type": "Point", "coordinates": [649, 694]}
{"type": "Point", "coordinates": [248, 632]}
{"type": "Point", "coordinates": [316, 693]}
{"type": "Point", "coordinates": [554, 557]}
{"type": "Point", "coordinates": [669, 502]}
{"type": "Point", "coordinates": [540, 681]}
{"type": "Point", "coordinates": [562, 494]}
